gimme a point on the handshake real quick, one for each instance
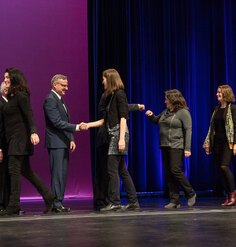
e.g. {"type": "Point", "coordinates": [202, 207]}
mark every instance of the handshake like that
{"type": "Point", "coordinates": [82, 126]}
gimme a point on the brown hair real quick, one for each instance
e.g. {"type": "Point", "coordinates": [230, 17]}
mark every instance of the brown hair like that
{"type": "Point", "coordinates": [227, 93]}
{"type": "Point", "coordinates": [176, 99]}
{"type": "Point", "coordinates": [114, 81]}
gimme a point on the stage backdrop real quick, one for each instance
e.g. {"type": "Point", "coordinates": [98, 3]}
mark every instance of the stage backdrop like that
{"type": "Point", "coordinates": [44, 38]}
{"type": "Point", "coordinates": [157, 45]}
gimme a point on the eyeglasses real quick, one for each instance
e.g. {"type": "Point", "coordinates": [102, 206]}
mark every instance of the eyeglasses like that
{"type": "Point", "coordinates": [63, 85]}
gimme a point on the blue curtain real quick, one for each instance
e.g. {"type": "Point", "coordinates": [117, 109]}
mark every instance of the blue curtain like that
{"type": "Point", "coordinates": [157, 45]}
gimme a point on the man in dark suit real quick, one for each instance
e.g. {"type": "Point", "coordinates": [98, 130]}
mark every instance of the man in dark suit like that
{"type": "Point", "coordinates": [4, 176]}
{"type": "Point", "coordinates": [59, 138]}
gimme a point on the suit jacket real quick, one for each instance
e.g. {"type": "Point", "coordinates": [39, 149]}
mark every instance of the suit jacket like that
{"type": "Point", "coordinates": [19, 124]}
{"type": "Point", "coordinates": [58, 129]}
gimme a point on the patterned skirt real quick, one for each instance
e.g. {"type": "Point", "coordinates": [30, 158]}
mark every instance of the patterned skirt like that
{"type": "Point", "coordinates": [114, 136]}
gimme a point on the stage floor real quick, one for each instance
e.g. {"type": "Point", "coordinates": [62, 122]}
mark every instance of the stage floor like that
{"type": "Point", "coordinates": [206, 224]}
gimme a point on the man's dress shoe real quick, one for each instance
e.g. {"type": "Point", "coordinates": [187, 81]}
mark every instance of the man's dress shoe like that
{"type": "Point", "coordinates": [111, 207]}
{"type": "Point", "coordinates": [61, 209]}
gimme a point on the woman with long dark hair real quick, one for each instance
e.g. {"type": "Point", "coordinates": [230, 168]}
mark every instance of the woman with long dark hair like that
{"type": "Point", "coordinates": [175, 141]}
{"type": "Point", "coordinates": [21, 135]}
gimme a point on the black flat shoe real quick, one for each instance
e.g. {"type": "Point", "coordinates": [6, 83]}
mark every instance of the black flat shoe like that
{"type": "Point", "coordinates": [10, 211]}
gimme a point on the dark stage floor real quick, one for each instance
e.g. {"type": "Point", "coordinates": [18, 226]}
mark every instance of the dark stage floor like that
{"type": "Point", "coordinates": [206, 224]}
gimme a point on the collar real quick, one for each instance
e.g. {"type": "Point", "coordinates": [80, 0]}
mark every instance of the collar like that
{"type": "Point", "coordinates": [56, 94]}
{"type": "Point", "coordinates": [5, 98]}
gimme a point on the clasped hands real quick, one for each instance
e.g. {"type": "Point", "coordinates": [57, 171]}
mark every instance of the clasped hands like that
{"type": "Point", "coordinates": [83, 126]}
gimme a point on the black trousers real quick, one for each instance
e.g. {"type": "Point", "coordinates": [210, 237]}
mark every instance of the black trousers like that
{"type": "Point", "coordinates": [4, 182]}
{"type": "Point", "coordinates": [116, 168]}
{"type": "Point", "coordinates": [18, 165]}
{"type": "Point", "coordinates": [172, 159]}
{"type": "Point", "coordinates": [101, 176]}
{"type": "Point", "coordinates": [222, 158]}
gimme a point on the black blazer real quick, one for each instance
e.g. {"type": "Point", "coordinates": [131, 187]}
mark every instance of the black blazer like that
{"type": "Point", "coordinates": [19, 124]}
{"type": "Point", "coordinates": [2, 131]}
{"type": "Point", "coordinates": [59, 131]}
{"type": "Point", "coordinates": [117, 107]}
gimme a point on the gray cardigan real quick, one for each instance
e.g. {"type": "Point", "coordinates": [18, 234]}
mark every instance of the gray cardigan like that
{"type": "Point", "coordinates": [175, 129]}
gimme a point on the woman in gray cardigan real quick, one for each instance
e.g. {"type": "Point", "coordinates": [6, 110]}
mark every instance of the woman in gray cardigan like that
{"type": "Point", "coordinates": [175, 141]}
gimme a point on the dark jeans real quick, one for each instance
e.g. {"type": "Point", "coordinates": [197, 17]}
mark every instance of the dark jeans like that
{"type": "Point", "coordinates": [116, 167]}
{"type": "Point", "coordinates": [222, 157]}
{"type": "Point", "coordinates": [18, 165]}
{"type": "Point", "coordinates": [172, 159]}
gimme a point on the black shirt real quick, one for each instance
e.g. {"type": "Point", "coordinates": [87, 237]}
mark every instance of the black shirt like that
{"type": "Point", "coordinates": [219, 123]}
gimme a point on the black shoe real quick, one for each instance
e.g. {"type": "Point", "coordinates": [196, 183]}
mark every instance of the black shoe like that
{"type": "Point", "coordinates": [111, 207]}
{"type": "Point", "coordinates": [61, 209]}
{"type": "Point", "coordinates": [10, 211]}
{"type": "Point", "coordinates": [132, 206]}
{"type": "Point", "coordinates": [49, 202]}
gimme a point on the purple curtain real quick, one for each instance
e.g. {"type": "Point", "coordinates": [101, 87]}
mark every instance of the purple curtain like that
{"type": "Point", "coordinates": [43, 38]}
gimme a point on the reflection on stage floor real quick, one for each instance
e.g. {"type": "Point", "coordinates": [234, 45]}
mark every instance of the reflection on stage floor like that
{"type": "Point", "coordinates": [207, 223]}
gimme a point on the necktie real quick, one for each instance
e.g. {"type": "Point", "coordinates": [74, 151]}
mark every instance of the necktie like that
{"type": "Point", "coordinates": [63, 104]}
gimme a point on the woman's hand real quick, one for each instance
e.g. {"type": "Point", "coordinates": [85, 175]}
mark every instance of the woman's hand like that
{"type": "Point", "coordinates": [141, 107]}
{"type": "Point", "coordinates": [187, 153]}
{"type": "Point", "coordinates": [1, 156]}
{"type": "Point", "coordinates": [34, 139]}
{"type": "Point", "coordinates": [207, 150]}
{"type": "Point", "coordinates": [234, 149]}
{"type": "Point", "coordinates": [121, 145]}
{"type": "Point", "coordinates": [149, 113]}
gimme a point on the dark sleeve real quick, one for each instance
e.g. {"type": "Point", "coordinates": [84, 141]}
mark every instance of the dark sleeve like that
{"type": "Point", "coordinates": [122, 104]}
{"type": "Point", "coordinates": [133, 107]}
{"type": "Point", "coordinates": [155, 119]}
{"type": "Point", "coordinates": [186, 119]}
{"type": "Point", "coordinates": [26, 110]}
{"type": "Point", "coordinates": [54, 116]}
{"type": "Point", "coordinates": [102, 107]}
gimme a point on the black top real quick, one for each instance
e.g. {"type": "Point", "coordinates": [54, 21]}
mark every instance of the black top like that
{"type": "Point", "coordinates": [219, 123]}
{"type": "Point", "coordinates": [116, 108]}
{"type": "Point", "coordinates": [102, 137]}
{"type": "Point", "coordinates": [19, 124]}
